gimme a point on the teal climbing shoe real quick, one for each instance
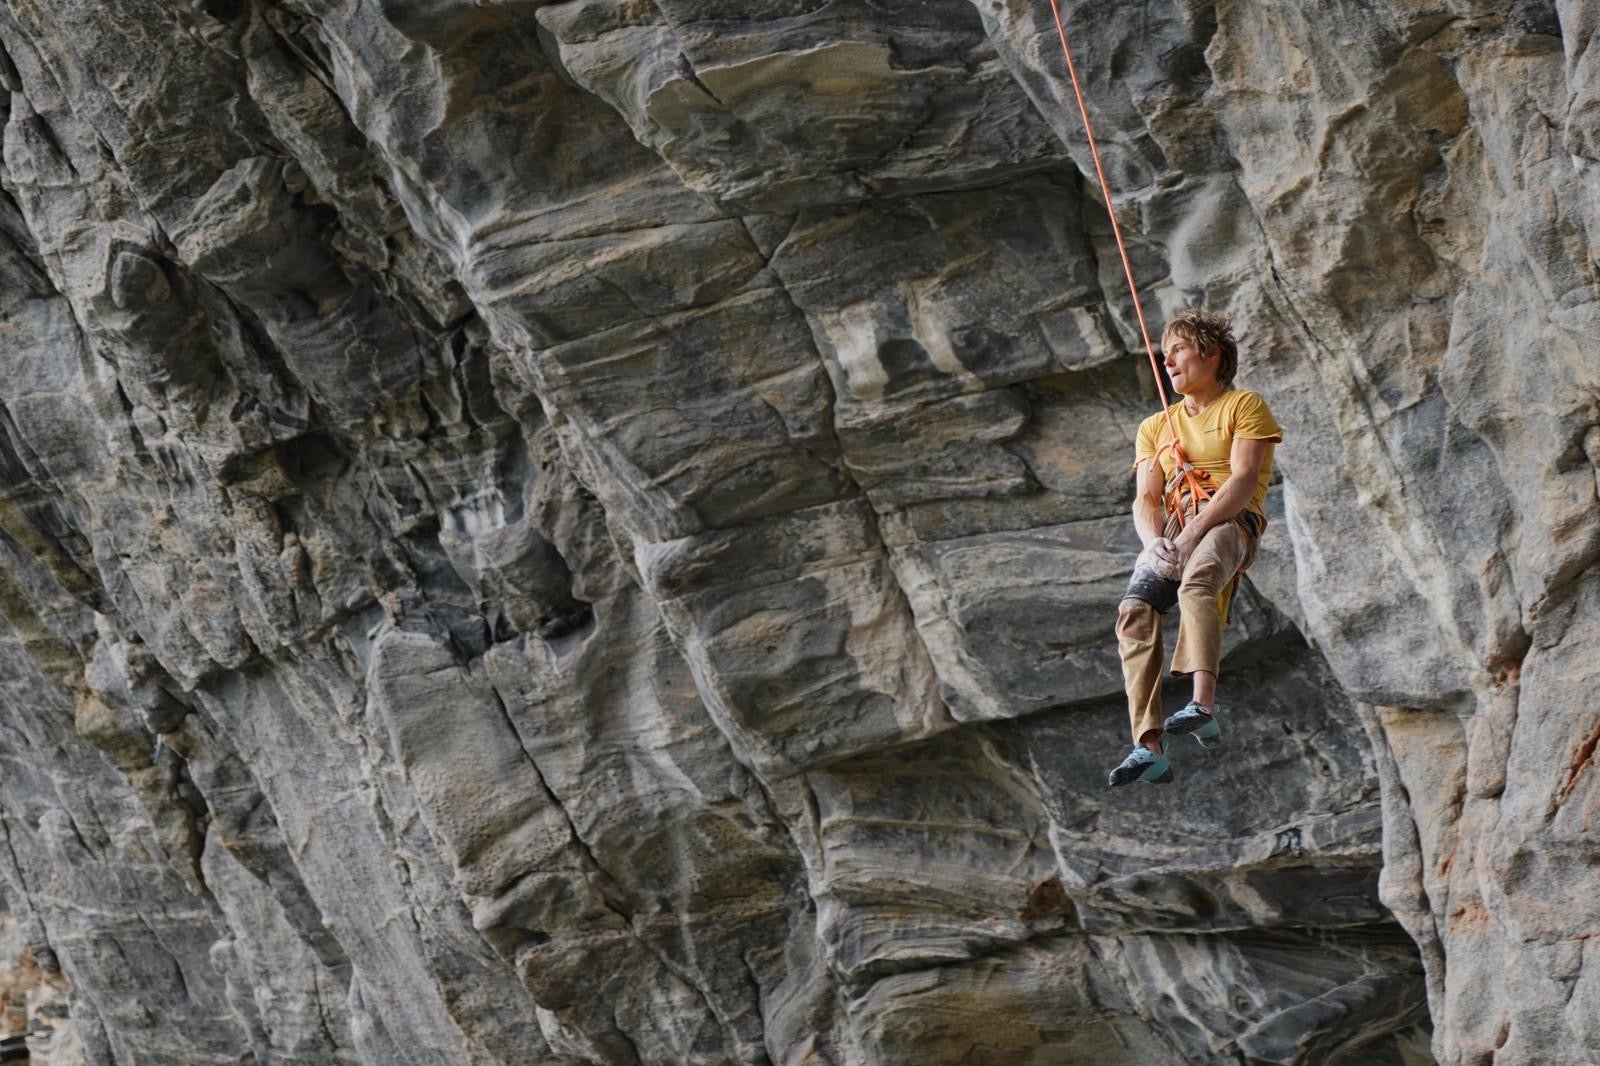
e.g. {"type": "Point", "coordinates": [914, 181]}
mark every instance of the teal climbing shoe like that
{"type": "Point", "coordinates": [1196, 721]}
{"type": "Point", "coordinates": [1142, 764]}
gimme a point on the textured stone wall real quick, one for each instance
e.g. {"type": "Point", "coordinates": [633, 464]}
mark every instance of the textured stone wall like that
{"type": "Point", "coordinates": [587, 532]}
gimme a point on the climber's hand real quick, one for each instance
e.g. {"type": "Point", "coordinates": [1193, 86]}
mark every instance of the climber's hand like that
{"type": "Point", "coordinates": [1168, 551]}
{"type": "Point", "coordinates": [1157, 557]}
{"type": "Point", "coordinates": [1187, 541]}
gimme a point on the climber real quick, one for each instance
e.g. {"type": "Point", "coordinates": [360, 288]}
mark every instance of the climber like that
{"type": "Point", "coordinates": [1191, 559]}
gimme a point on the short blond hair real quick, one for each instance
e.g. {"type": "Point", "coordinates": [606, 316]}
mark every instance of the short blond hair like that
{"type": "Point", "coordinates": [1210, 333]}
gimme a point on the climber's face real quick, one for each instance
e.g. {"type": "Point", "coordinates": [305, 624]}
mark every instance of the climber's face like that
{"type": "Point", "coordinates": [1190, 371]}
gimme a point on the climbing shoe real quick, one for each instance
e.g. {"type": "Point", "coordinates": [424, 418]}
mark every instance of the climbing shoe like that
{"type": "Point", "coordinates": [1196, 721]}
{"type": "Point", "coordinates": [1142, 764]}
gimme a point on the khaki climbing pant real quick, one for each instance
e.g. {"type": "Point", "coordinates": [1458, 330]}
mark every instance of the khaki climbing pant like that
{"type": "Point", "coordinates": [1224, 549]}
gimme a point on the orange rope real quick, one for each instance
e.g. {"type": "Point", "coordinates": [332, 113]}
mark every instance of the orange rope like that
{"type": "Point", "coordinates": [1183, 469]}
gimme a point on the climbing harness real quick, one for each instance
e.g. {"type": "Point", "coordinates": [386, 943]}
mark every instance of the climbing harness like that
{"type": "Point", "coordinates": [1188, 489]}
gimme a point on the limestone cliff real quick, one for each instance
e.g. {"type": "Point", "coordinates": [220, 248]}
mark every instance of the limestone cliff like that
{"type": "Point", "coordinates": [587, 532]}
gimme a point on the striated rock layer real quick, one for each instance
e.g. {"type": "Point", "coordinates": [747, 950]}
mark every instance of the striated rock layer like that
{"type": "Point", "coordinates": [588, 532]}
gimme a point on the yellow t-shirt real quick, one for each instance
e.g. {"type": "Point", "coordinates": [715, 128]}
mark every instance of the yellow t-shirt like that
{"type": "Point", "coordinates": [1207, 438]}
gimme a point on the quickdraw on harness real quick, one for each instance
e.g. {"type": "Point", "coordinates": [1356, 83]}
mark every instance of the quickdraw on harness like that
{"type": "Point", "coordinates": [1188, 488]}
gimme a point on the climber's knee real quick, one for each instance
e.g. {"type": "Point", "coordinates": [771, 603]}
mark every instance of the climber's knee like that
{"type": "Point", "coordinates": [1146, 586]}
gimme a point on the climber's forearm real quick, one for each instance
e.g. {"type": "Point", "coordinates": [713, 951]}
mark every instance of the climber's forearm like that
{"type": "Point", "coordinates": [1246, 460]}
{"type": "Point", "coordinates": [1224, 506]}
{"type": "Point", "coordinates": [1148, 519]}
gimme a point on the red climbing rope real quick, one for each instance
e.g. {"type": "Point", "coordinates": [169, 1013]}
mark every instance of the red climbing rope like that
{"type": "Point", "coordinates": [1184, 474]}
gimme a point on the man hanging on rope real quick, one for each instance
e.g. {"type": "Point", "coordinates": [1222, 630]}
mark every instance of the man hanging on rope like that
{"type": "Point", "coordinates": [1225, 437]}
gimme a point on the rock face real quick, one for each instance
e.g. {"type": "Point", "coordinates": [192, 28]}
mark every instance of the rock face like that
{"type": "Point", "coordinates": [588, 532]}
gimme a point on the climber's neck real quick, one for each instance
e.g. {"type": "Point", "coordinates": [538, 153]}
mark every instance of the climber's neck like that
{"type": "Point", "coordinates": [1201, 397]}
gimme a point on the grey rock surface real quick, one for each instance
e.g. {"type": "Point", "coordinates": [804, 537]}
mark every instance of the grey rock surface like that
{"type": "Point", "coordinates": [589, 533]}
